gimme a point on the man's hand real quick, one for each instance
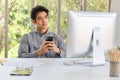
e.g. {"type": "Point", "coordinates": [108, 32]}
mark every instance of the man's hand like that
{"type": "Point", "coordinates": [51, 46]}
{"type": "Point", "coordinates": [48, 45]}
{"type": "Point", "coordinates": [43, 49]}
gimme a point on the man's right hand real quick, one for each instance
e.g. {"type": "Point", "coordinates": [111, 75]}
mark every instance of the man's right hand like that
{"type": "Point", "coordinates": [43, 49]}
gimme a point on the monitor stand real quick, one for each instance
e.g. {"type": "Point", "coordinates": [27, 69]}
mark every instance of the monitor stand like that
{"type": "Point", "coordinates": [95, 54]}
{"type": "Point", "coordinates": [98, 57]}
{"type": "Point", "coordinates": [98, 52]}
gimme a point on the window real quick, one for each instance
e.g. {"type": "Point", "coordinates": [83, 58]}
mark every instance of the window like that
{"type": "Point", "coordinates": [19, 21]}
{"type": "Point", "coordinates": [18, 24]}
{"type": "Point", "coordinates": [2, 28]}
{"type": "Point", "coordinates": [98, 5]}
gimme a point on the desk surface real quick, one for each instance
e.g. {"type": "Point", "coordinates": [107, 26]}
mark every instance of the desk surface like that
{"type": "Point", "coordinates": [54, 69]}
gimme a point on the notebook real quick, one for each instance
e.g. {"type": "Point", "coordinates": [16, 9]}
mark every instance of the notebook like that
{"type": "Point", "coordinates": [22, 71]}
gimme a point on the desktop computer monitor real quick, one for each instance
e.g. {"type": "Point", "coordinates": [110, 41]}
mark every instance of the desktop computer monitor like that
{"type": "Point", "coordinates": [81, 32]}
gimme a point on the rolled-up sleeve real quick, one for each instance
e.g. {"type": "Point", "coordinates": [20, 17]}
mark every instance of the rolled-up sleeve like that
{"type": "Point", "coordinates": [24, 48]}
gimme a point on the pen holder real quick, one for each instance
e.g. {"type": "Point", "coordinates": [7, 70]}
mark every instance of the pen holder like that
{"type": "Point", "coordinates": [114, 58]}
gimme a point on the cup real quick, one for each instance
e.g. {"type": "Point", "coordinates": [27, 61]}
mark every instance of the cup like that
{"type": "Point", "coordinates": [114, 58]}
{"type": "Point", "coordinates": [114, 69]}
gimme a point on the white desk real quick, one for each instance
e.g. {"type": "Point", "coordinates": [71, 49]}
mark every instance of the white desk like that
{"type": "Point", "coordinates": [54, 69]}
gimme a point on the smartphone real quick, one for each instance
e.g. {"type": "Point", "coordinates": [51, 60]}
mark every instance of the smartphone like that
{"type": "Point", "coordinates": [49, 38]}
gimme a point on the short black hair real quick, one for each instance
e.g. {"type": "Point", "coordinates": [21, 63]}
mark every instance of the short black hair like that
{"type": "Point", "coordinates": [37, 9]}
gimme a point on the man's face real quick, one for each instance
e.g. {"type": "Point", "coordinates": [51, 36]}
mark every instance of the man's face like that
{"type": "Point", "coordinates": [42, 21]}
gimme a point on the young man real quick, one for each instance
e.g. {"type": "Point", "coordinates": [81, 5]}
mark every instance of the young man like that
{"type": "Point", "coordinates": [34, 44]}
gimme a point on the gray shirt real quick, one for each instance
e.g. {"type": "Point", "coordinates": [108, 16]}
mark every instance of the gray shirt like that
{"type": "Point", "coordinates": [32, 41]}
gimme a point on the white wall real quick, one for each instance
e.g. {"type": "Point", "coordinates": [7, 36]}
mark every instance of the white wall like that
{"type": "Point", "coordinates": [115, 7]}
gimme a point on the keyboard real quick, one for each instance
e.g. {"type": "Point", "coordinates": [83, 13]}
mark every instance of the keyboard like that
{"type": "Point", "coordinates": [83, 60]}
{"type": "Point", "coordinates": [78, 61]}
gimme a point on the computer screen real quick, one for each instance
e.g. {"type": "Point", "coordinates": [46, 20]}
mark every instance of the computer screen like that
{"type": "Point", "coordinates": [81, 26]}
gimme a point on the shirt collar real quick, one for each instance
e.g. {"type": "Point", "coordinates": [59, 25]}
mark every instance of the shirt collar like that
{"type": "Point", "coordinates": [47, 32]}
